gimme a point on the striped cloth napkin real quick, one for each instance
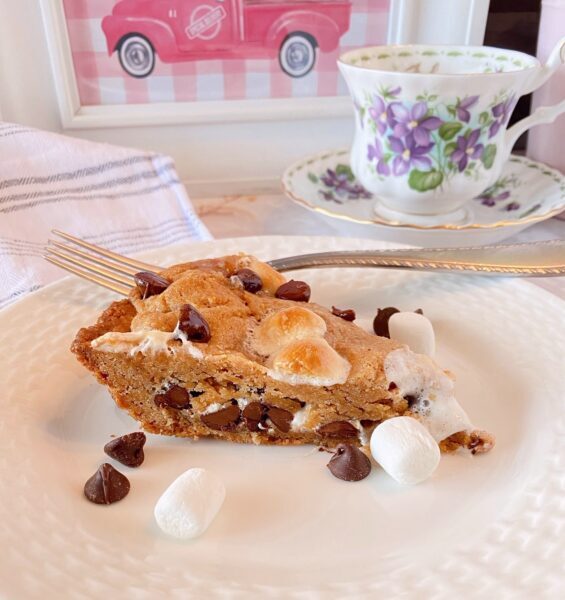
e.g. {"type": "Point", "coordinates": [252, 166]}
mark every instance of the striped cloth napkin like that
{"type": "Point", "coordinates": [126, 200]}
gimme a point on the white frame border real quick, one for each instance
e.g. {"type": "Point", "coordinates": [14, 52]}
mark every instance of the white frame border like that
{"type": "Point", "coordinates": [75, 116]}
{"type": "Point", "coordinates": [403, 19]}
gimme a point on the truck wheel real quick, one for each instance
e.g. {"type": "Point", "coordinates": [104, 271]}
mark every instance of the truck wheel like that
{"type": "Point", "coordinates": [297, 54]}
{"type": "Point", "coordinates": [136, 55]}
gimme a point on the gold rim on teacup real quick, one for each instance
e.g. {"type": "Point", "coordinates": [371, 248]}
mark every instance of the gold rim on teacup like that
{"type": "Point", "coordinates": [362, 57]}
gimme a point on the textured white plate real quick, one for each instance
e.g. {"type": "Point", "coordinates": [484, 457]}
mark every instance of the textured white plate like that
{"type": "Point", "coordinates": [484, 526]}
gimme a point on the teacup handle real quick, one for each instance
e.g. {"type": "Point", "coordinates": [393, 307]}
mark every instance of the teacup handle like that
{"type": "Point", "coordinates": [543, 114]}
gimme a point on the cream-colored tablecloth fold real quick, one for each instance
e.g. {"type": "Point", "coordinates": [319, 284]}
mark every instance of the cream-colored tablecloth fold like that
{"type": "Point", "coordinates": [126, 200]}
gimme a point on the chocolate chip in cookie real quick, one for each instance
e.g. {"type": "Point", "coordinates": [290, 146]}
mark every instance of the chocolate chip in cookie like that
{"type": "Point", "coordinates": [298, 291]}
{"type": "Point", "coordinates": [253, 414]}
{"type": "Point", "coordinates": [223, 419]}
{"type": "Point", "coordinates": [280, 418]}
{"type": "Point", "coordinates": [193, 324]}
{"type": "Point", "coordinates": [175, 397]}
{"type": "Point", "coordinates": [347, 314]}
{"type": "Point", "coordinates": [338, 429]}
{"type": "Point", "coordinates": [250, 280]}
{"type": "Point", "coordinates": [150, 284]}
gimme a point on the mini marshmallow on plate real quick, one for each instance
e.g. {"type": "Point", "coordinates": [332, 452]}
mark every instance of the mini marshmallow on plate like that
{"type": "Point", "coordinates": [189, 504]}
{"type": "Point", "coordinates": [414, 330]}
{"type": "Point", "coordinates": [405, 450]}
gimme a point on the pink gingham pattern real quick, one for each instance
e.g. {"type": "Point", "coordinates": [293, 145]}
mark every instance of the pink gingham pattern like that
{"type": "Point", "coordinates": [101, 80]}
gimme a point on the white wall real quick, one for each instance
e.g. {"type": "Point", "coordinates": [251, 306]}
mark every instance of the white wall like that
{"type": "Point", "coordinates": [438, 21]}
{"type": "Point", "coordinates": [216, 152]}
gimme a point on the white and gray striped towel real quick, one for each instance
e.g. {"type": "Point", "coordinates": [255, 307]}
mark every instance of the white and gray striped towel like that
{"type": "Point", "coordinates": [126, 200]}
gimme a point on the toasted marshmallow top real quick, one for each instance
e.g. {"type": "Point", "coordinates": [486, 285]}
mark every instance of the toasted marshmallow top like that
{"type": "Point", "coordinates": [311, 362]}
{"type": "Point", "coordinates": [285, 326]}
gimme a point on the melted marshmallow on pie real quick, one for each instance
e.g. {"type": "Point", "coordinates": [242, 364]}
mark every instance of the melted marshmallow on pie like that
{"type": "Point", "coordinates": [144, 342]}
{"type": "Point", "coordinates": [285, 326]}
{"type": "Point", "coordinates": [311, 362]}
{"type": "Point", "coordinates": [418, 376]}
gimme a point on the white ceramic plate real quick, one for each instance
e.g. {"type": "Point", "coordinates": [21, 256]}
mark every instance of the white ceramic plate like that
{"type": "Point", "coordinates": [526, 193]}
{"type": "Point", "coordinates": [485, 526]}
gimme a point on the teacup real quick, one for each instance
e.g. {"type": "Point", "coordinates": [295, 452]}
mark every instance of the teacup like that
{"type": "Point", "coordinates": [431, 121]}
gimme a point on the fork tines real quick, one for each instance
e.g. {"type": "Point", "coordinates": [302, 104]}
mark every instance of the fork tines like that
{"type": "Point", "coordinates": [101, 266]}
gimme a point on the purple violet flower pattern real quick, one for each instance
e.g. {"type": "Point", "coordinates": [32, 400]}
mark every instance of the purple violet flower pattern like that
{"type": "Point", "coordinates": [462, 108]}
{"type": "Point", "coordinates": [467, 148]}
{"type": "Point", "coordinates": [415, 122]}
{"type": "Point", "coordinates": [491, 200]}
{"type": "Point", "coordinates": [379, 114]}
{"type": "Point", "coordinates": [341, 185]}
{"type": "Point", "coordinates": [501, 113]}
{"type": "Point", "coordinates": [375, 152]}
{"type": "Point", "coordinates": [500, 191]}
{"type": "Point", "coordinates": [429, 141]}
{"type": "Point", "coordinates": [408, 155]}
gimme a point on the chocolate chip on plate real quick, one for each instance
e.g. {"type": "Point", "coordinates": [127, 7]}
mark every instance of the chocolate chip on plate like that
{"type": "Point", "coordinates": [250, 280]}
{"type": "Point", "coordinates": [150, 284]}
{"type": "Point", "coordinates": [349, 463]}
{"type": "Point", "coordinates": [280, 418]}
{"type": "Point", "coordinates": [127, 449]}
{"type": "Point", "coordinates": [380, 322]}
{"type": "Point", "coordinates": [106, 486]}
{"type": "Point", "coordinates": [347, 314]}
{"type": "Point", "coordinates": [223, 419]}
{"type": "Point", "coordinates": [338, 429]}
{"type": "Point", "coordinates": [174, 397]}
{"type": "Point", "coordinates": [193, 324]}
{"type": "Point", "coordinates": [299, 291]}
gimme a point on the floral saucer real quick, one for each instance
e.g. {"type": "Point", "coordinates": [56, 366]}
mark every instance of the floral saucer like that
{"type": "Point", "coordinates": [526, 192]}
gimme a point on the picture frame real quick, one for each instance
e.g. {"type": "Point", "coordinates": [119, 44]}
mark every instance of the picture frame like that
{"type": "Point", "coordinates": [76, 115]}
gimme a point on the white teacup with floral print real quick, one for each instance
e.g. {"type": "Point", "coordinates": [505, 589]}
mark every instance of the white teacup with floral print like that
{"type": "Point", "coordinates": [431, 121]}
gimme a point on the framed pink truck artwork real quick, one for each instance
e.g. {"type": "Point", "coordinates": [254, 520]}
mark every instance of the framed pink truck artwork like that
{"type": "Point", "coordinates": [184, 30]}
{"type": "Point", "coordinates": [168, 61]}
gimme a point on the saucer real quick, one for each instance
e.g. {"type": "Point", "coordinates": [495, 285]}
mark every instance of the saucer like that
{"type": "Point", "coordinates": [526, 192]}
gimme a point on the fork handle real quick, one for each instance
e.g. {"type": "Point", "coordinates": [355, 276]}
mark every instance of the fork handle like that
{"type": "Point", "coordinates": [541, 259]}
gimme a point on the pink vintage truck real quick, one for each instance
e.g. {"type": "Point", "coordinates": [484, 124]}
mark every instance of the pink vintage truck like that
{"type": "Point", "coordinates": [180, 30]}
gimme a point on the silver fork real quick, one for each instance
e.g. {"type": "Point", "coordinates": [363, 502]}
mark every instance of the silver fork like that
{"type": "Point", "coordinates": [541, 259]}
